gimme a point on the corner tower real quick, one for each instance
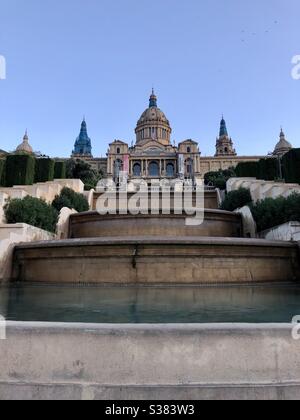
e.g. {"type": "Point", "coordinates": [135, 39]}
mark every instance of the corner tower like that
{"type": "Point", "coordinates": [83, 144]}
{"type": "Point", "coordinates": [224, 145]}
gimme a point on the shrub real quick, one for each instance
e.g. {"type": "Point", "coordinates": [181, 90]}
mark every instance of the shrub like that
{"type": "Point", "coordinates": [20, 170]}
{"type": "Point", "coordinates": [2, 172]}
{"type": "Point", "coordinates": [60, 170]}
{"type": "Point", "coordinates": [291, 166]}
{"type": "Point", "coordinates": [44, 170]}
{"type": "Point", "coordinates": [271, 212]}
{"type": "Point", "coordinates": [219, 179]}
{"type": "Point", "coordinates": [33, 211]}
{"type": "Point", "coordinates": [236, 199]}
{"type": "Point", "coordinates": [71, 199]}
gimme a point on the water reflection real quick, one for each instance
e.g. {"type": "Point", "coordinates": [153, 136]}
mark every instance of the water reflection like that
{"type": "Point", "coordinates": [150, 305]}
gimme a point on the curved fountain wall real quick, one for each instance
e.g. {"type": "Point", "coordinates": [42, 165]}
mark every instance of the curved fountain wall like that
{"type": "Point", "coordinates": [216, 224]}
{"type": "Point", "coordinates": [156, 249]}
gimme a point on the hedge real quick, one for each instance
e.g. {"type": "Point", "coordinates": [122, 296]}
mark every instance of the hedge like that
{"type": "Point", "coordinates": [2, 172]}
{"type": "Point", "coordinates": [268, 169]}
{"type": "Point", "coordinates": [265, 169]}
{"type": "Point", "coordinates": [20, 170]}
{"type": "Point", "coordinates": [247, 170]}
{"type": "Point", "coordinates": [291, 166]}
{"type": "Point", "coordinates": [44, 170]}
{"type": "Point", "coordinates": [60, 170]}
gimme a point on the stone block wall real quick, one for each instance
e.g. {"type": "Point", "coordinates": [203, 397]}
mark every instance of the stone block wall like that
{"type": "Point", "coordinates": [262, 189]}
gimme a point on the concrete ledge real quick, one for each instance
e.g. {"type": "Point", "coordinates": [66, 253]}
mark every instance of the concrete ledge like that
{"type": "Point", "coordinates": [88, 361]}
{"type": "Point", "coordinates": [181, 260]}
{"type": "Point", "coordinates": [75, 392]}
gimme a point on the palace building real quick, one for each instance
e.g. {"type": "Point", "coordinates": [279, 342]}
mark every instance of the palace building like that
{"type": "Point", "coordinates": [155, 156]}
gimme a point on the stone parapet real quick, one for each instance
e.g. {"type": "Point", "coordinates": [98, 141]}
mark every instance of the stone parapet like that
{"type": "Point", "coordinates": [149, 362]}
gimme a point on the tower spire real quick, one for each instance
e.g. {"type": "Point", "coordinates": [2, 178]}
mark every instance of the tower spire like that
{"type": "Point", "coordinates": [223, 128]}
{"type": "Point", "coordinates": [153, 100]}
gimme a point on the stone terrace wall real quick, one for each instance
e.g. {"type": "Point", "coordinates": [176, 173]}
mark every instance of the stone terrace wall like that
{"type": "Point", "coordinates": [46, 191]}
{"type": "Point", "coordinates": [14, 234]}
{"type": "Point", "coordinates": [262, 189]}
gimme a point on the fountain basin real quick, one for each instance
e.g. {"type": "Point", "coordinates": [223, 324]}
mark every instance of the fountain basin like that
{"type": "Point", "coordinates": [148, 260]}
{"type": "Point", "coordinates": [216, 223]}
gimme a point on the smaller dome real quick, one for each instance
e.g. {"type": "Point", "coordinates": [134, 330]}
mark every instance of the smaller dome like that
{"type": "Point", "coordinates": [283, 146]}
{"type": "Point", "coordinates": [25, 146]}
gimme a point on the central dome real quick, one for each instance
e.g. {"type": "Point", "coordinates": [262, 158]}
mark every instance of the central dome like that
{"type": "Point", "coordinates": [153, 124]}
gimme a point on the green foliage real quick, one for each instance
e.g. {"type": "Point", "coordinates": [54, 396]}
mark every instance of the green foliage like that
{"type": "Point", "coordinates": [2, 172]}
{"type": "Point", "coordinates": [268, 169]}
{"type": "Point", "coordinates": [265, 169]}
{"type": "Point", "coordinates": [72, 200]}
{"type": "Point", "coordinates": [79, 169]}
{"type": "Point", "coordinates": [60, 170]}
{"type": "Point", "coordinates": [291, 166]}
{"type": "Point", "coordinates": [44, 170]}
{"type": "Point", "coordinates": [247, 170]}
{"type": "Point", "coordinates": [33, 211]}
{"type": "Point", "coordinates": [272, 212]}
{"type": "Point", "coordinates": [219, 179]}
{"type": "Point", "coordinates": [237, 199]}
{"type": "Point", "coordinates": [20, 170]}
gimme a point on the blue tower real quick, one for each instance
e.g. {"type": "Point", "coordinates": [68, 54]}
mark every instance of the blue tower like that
{"type": "Point", "coordinates": [224, 145]}
{"type": "Point", "coordinates": [223, 128]}
{"type": "Point", "coordinates": [83, 144]}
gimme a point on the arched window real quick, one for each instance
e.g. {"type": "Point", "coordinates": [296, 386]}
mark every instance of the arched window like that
{"type": "Point", "coordinates": [118, 150]}
{"type": "Point", "coordinates": [170, 170]}
{"type": "Point", "coordinates": [137, 169]}
{"type": "Point", "coordinates": [188, 149]}
{"type": "Point", "coordinates": [154, 169]}
{"type": "Point", "coordinates": [226, 150]}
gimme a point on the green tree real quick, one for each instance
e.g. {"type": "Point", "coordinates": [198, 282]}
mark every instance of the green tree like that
{"type": "Point", "coordinates": [79, 169]}
{"type": "Point", "coordinates": [219, 179]}
{"type": "Point", "coordinates": [72, 200]}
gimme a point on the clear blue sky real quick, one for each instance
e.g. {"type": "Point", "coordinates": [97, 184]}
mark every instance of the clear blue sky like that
{"type": "Point", "coordinates": [100, 58]}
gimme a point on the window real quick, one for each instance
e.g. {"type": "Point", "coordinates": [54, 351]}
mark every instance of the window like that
{"type": "Point", "coordinates": [188, 149]}
{"type": "Point", "coordinates": [137, 169]}
{"type": "Point", "coordinates": [118, 150]}
{"type": "Point", "coordinates": [170, 170]}
{"type": "Point", "coordinates": [154, 169]}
